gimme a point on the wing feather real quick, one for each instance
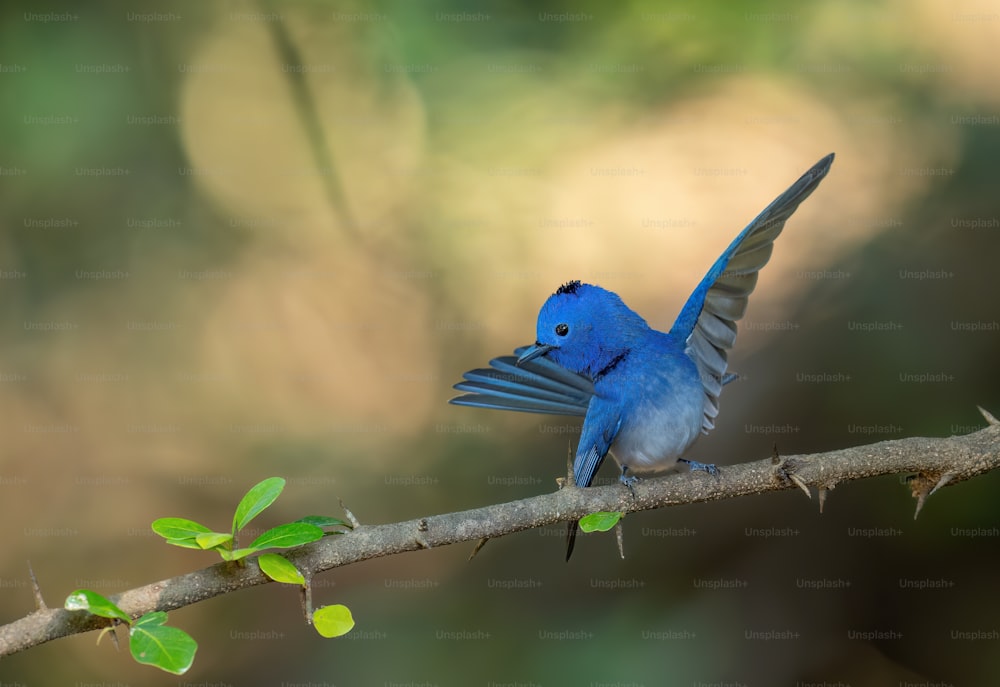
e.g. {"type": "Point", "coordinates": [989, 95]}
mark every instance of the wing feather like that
{"type": "Point", "coordinates": [537, 386]}
{"type": "Point", "coordinates": [707, 322]}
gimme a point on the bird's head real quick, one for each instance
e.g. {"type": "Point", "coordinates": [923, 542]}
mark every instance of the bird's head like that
{"type": "Point", "coordinates": [583, 327]}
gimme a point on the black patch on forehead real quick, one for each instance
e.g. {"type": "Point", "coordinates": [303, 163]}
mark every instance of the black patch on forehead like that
{"type": "Point", "coordinates": [569, 287]}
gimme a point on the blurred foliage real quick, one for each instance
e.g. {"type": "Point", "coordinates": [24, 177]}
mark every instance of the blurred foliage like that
{"type": "Point", "coordinates": [241, 239]}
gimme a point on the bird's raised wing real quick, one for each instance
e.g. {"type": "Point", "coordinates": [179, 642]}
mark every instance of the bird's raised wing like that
{"type": "Point", "coordinates": [707, 322]}
{"type": "Point", "coordinates": [535, 386]}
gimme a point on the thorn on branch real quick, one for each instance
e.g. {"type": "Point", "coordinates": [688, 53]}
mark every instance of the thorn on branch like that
{"type": "Point", "coordinates": [350, 516]}
{"type": "Point", "coordinates": [945, 478]}
{"type": "Point", "coordinates": [824, 492]}
{"type": "Point", "coordinates": [110, 631]}
{"type": "Point", "coordinates": [479, 545]}
{"type": "Point", "coordinates": [925, 484]}
{"type": "Point", "coordinates": [993, 422]}
{"type": "Point", "coordinates": [36, 590]}
{"type": "Point", "coordinates": [785, 472]}
{"type": "Point", "coordinates": [801, 483]}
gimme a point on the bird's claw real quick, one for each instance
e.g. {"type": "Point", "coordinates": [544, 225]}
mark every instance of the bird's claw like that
{"type": "Point", "coordinates": [695, 466]}
{"type": "Point", "coordinates": [629, 481]}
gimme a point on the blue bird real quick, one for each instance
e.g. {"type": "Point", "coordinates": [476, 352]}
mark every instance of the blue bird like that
{"type": "Point", "coordinates": [645, 395]}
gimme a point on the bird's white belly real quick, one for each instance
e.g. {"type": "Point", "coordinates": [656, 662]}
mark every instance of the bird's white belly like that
{"type": "Point", "coordinates": [657, 434]}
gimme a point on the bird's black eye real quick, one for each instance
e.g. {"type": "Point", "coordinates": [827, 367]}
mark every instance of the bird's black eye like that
{"type": "Point", "coordinates": [562, 329]}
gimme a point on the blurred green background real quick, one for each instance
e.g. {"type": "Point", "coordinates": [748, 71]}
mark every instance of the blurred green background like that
{"type": "Point", "coordinates": [240, 240]}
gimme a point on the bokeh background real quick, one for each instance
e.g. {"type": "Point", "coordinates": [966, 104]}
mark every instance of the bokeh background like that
{"type": "Point", "coordinates": [243, 239]}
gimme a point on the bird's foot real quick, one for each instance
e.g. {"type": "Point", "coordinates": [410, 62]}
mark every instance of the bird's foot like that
{"type": "Point", "coordinates": [695, 466]}
{"type": "Point", "coordinates": [628, 480]}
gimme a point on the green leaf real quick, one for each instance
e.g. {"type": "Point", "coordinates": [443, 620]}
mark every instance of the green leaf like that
{"type": "Point", "coordinates": [325, 521]}
{"type": "Point", "coordinates": [168, 648]}
{"type": "Point", "coordinates": [178, 528]}
{"type": "Point", "coordinates": [333, 621]}
{"type": "Point", "coordinates": [87, 600]}
{"type": "Point", "coordinates": [284, 536]}
{"type": "Point", "coordinates": [280, 569]}
{"type": "Point", "coordinates": [601, 521]}
{"type": "Point", "coordinates": [260, 496]}
{"type": "Point", "coordinates": [238, 553]}
{"type": "Point", "coordinates": [211, 540]}
{"type": "Point", "coordinates": [186, 543]}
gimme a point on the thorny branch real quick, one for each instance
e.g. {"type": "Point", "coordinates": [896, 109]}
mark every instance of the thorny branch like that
{"type": "Point", "coordinates": [931, 463]}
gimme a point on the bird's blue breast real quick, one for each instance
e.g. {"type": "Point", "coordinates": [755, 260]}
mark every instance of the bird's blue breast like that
{"type": "Point", "coordinates": [661, 398]}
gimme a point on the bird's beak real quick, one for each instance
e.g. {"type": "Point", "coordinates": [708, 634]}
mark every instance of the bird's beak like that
{"type": "Point", "coordinates": [535, 351]}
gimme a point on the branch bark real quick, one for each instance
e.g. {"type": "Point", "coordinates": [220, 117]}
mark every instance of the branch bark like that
{"type": "Point", "coordinates": [933, 463]}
